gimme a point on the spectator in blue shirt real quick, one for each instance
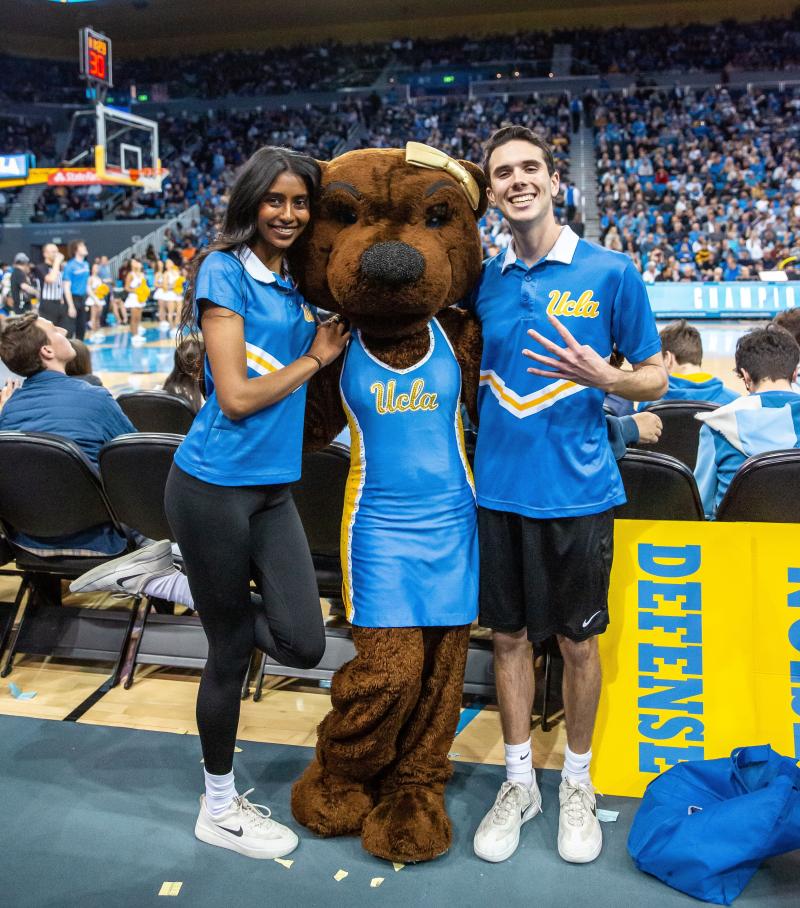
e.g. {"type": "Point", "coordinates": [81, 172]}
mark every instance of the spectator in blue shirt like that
{"type": "Point", "coordinates": [75, 279]}
{"type": "Point", "coordinates": [682, 349]}
{"type": "Point", "coordinates": [51, 401]}
{"type": "Point", "coordinates": [767, 419]}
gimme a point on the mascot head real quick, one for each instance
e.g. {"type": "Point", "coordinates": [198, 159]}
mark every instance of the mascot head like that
{"type": "Point", "coordinates": [393, 239]}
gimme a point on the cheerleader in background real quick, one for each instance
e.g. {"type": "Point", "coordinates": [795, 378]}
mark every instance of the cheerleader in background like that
{"type": "Point", "coordinates": [173, 294]}
{"type": "Point", "coordinates": [97, 293]}
{"type": "Point", "coordinates": [159, 288]}
{"type": "Point", "coordinates": [136, 295]}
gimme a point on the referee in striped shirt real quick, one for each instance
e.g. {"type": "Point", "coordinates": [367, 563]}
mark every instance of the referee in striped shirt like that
{"type": "Point", "coordinates": [52, 304]}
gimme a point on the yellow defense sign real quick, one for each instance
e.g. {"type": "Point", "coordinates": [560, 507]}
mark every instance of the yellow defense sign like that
{"type": "Point", "coordinates": [703, 651]}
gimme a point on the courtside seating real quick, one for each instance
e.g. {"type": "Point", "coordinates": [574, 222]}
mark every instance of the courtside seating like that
{"type": "Point", "coordinates": [766, 488]}
{"type": "Point", "coordinates": [134, 469]}
{"type": "Point", "coordinates": [681, 433]}
{"type": "Point", "coordinates": [49, 488]}
{"type": "Point", "coordinates": [658, 487]}
{"type": "Point", "coordinates": [157, 411]}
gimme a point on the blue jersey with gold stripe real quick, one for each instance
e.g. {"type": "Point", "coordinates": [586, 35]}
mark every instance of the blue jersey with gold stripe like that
{"type": "Point", "coordinates": [265, 447]}
{"type": "Point", "coordinates": [543, 447]}
{"type": "Point", "coordinates": [409, 534]}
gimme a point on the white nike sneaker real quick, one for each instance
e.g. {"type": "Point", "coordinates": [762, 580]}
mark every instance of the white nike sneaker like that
{"type": "Point", "coordinates": [244, 828]}
{"type": "Point", "coordinates": [497, 836]}
{"type": "Point", "coordinates": [128, 574]}
{"type": "Point", "coordinates": [579, 835]}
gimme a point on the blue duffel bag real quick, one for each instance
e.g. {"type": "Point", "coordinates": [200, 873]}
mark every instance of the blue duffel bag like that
{"type": "Point", "coordinates": [704, 827]}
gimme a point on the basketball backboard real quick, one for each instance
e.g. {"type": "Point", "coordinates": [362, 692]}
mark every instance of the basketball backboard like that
{"type": "Point", "coordinates": [127, 149]}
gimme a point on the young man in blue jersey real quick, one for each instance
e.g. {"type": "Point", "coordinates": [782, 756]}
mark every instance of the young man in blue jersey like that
{"type": "Point", "coordinates": [682, 349]}
{"type": "Point", "coordinates": [546, 478]}
{"type": "Point", "coordinates": [767, 419]}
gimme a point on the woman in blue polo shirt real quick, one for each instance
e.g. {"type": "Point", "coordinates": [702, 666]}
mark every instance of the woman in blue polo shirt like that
{"type": "Point", "coordinates": [227, 498]}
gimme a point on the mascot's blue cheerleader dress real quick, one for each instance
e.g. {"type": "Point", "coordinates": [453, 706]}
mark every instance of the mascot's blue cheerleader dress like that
{"type": "Point", "coordinates": [409, 544]}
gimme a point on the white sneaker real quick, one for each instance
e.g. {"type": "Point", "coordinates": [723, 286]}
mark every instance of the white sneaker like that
{"type": "Point", "coordinates": [163, 326]}
{"type": "Point", "coordinates": [128, 574]}
{"type": "Point", "coordinates": [497, 836]}
{"type": "Point", "coordinates": [244, 828]}
{"type": "Point", "coordinates": [137, 340]}
{"type": "Point", "coordinates": [141, 330]}
{"type": "Point", "coordinates": [579, 835]}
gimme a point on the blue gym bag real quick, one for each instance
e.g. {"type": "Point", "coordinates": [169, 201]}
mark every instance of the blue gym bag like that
{"type": "Point", "coordinates": [704, 826]}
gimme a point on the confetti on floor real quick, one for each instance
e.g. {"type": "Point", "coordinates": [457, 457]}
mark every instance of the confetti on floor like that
{"type": "Point", "coordinates": [18, 694]}
{"type": "Point", "coordinates": [607, 816]}
{"type": "Point", "coordinates": [340, 875]}
{"type": "Point", "coordinates": [284, 862]}
{"type": "Point", "coordinates": [397, 866]}
{"type": "Point", "coordinates": [375, 882]}
{"type": "Point", "coordinates": [170, 888]}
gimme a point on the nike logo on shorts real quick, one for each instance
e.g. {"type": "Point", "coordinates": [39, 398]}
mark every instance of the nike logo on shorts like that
{"type": "Point", "coordinates": [237, 832]}
{"type": "Point", "coordinates": [589, 620]}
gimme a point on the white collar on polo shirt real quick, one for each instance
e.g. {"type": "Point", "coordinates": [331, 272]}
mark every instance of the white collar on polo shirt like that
{"type": "Point", "coordinates": [563, 250]}
{"type": "Point", "coordinates": [254, 266]}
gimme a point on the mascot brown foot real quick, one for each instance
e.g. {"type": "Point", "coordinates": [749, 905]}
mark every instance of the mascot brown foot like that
{"type": "Point", "coordinates": [330, 805]}
{"type": "Point", "coordinates": [408, 825]}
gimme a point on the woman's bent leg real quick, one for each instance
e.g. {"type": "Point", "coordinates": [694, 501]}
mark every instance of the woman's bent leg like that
{"type": "Point", "coordinates": [289, 627]}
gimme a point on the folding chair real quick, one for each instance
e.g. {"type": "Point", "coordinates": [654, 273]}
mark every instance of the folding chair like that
{"type": "Point", "coordinates": [48, 488]}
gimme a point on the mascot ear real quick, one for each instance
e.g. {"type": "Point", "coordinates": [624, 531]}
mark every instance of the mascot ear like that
{"type": "Point", "coordinates": [477, 172]}
{"type": "Point", "coordinates": [323, 166]}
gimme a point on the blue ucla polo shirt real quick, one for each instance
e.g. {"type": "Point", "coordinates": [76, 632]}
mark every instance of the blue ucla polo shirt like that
{"type": "Point", "coordinates": [542, 446]}
{"type": "Point", "coordinates": [279, 326]}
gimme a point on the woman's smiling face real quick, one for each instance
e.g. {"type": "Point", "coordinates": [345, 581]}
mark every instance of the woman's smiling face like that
{"type": "Point", "coordinates": [283, 214]}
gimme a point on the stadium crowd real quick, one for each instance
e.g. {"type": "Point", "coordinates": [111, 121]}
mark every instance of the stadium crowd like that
{"type": "Point", "coordinates": [699, 186]}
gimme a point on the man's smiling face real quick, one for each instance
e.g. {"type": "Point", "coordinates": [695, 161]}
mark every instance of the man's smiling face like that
{"type": "Point", "coordinates": [519, 184]}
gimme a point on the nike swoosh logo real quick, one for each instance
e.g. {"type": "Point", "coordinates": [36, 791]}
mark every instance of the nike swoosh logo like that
{"type": "Point", "coordinates": [123, 580]}
{"type": "Point", "coordinates": [588, 621]}
{"type": "Point", "coordinates": [237, 832]}
{"type": "Point", "coordinates": [526, 756]}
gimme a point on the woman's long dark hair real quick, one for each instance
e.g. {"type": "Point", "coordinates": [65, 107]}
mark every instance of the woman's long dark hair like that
{"type": "Point", "coordinates": [240, 224]}
{"type": "Point", "coordinates": [183, 380]}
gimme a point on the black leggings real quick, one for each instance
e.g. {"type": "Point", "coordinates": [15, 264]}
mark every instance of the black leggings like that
{"type": "Point", "coordinates": [228, 535]}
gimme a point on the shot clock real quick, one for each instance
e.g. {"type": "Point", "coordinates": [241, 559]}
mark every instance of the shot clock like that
{"type": "Point", "coordinates": [95, 57]}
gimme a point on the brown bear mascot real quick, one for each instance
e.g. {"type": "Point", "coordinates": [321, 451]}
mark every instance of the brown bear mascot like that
{"type": "Point", "coordinates": [393, 245]}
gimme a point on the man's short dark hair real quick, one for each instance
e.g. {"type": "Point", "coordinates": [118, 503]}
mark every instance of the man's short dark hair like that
{"type": "Point", "coordinates": [20, 343]}
{"type": "Point", "coordinates": [72, 248]}
{"type": "Point", "coordinates": [790, 320]}
{"type": "Point", "coordinates": [522, 133]}
{"type": "Point", "coordinates": [767, 353]}
{"type": "Point", "coordinates": [683, 341]}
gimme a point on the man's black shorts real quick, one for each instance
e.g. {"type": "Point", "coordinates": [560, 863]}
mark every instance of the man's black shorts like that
{"type": "Point", "coordinates": [549, 576]}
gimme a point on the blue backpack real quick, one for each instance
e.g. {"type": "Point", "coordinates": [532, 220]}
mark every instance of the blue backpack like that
{"type": "Point", "coordinates": [705, 826]}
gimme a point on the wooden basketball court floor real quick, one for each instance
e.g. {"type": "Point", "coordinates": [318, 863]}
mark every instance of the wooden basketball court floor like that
{"type": "Point", "coordinates": [163, 699]}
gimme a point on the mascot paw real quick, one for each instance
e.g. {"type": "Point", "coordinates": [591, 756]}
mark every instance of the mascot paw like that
{"type": "Point", "coordinates": [408, 825]}
{"type": "Point", "coordinates": [330, 805]}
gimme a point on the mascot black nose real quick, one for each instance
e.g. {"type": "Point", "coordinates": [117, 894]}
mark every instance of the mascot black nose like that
{"type": "Point", "coordinates": [392, 263]}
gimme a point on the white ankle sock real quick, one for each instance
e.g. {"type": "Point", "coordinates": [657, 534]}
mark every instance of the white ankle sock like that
{"type": "Point", "coordinates": [174, 587]}
{"type": "Point", "coordinates": [519, 764]}
{"type": "Point", "coordinates": [220, 791]}
{"type": "Point", "coordinates": [576, 766]}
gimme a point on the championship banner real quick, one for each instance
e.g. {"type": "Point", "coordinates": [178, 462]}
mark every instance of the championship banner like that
{"type": "Point", "coordinates": [703, 651]}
